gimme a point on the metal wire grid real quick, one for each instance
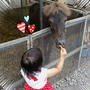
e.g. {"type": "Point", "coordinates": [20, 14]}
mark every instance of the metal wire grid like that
{"type": "Point", "coordinates": [14, 50]}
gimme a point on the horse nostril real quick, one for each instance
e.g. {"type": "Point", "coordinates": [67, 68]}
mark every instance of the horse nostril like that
{"type": "Point", "coordinates": [60, 41]}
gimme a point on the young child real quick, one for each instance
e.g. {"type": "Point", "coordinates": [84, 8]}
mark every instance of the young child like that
{"type": "Point", "coordinates": [34, 74]}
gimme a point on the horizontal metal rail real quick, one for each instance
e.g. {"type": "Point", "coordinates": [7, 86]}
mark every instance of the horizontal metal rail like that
{"type": "Point", "coordinates": [76, 21]}
{"type": "Point", "coordinates": [21, 81]}
{"type": "Point", "coordinates": [68, 24]}
{"type": "Point", "coordinates": [40, 33]}
{"type": "Point", "coordinates": [13, 42]}
{"type": "Point", "coordinates": [37, 35]}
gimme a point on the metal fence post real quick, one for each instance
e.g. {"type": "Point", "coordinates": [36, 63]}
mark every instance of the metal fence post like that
{"type": "Point", "coordinates": [83, 38]}
{"type": "Point", "coordinates": [31, 42]}
{"type": "Point", "coordinates": [28, 42]}
{"type": "Point", "coordinates": [41, 16]}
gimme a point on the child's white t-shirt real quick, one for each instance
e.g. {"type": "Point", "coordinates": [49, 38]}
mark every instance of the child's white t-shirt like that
{"type": "Point", "coordinates": [41, 76]}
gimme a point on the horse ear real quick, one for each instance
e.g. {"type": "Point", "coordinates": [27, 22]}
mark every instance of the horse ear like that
{"type": "Point", "coordinates": [46, 10]}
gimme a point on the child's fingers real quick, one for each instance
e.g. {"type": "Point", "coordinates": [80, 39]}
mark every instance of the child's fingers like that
{"type": "Point", "coordinates": [61, 47]}
{"type": "Point", "coordinates": [63, 51]}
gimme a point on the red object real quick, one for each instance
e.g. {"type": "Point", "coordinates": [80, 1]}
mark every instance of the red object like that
{"type": "Point", "coordinates": [31, 28]}
{"type": "Point", "coordinates": [34, 78]}
{"type": "Point", "coordinates": [46, 87]}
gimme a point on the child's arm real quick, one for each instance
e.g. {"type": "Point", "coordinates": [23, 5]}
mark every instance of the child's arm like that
{"type": "Point", "coordinates": [53, 71]}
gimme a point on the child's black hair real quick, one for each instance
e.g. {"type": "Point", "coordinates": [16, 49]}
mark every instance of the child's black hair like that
{"type": "Point", "coordinates": [32, 61]}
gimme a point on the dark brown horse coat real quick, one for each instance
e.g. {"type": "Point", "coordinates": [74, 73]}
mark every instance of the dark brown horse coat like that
{"type": "Point", "coordinates": [57, 15]}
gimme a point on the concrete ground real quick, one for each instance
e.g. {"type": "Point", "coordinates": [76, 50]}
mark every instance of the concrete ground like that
{"type": "Point", "coordinates": [79, 80]}
{"type": "Point", "coordinates": [87, 85]}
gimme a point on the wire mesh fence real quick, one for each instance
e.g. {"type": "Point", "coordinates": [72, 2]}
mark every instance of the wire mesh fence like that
{"type": "Point", "coordinates": [10, 53]}
{"type": "Point", "coordinates": [51, 53]}
{"type": "Point", "coordinates": [12, 12]}
{"type": "Point", "coordinates": [10, 63]}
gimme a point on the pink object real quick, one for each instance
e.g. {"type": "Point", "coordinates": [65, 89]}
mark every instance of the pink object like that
{"type": "Point", "coordinates": [21, 27]}
{"type": "Point", "coordinates": [31, 28]}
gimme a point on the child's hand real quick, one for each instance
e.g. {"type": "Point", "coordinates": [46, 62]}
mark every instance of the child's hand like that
{"type": "Point", "coordinates": [63, 52]}
{"type": "Point", "coordinates": [53, 71]}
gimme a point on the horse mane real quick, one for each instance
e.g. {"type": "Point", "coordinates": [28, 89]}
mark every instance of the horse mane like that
{"type": "Point", "coordinates": [55, 7]}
